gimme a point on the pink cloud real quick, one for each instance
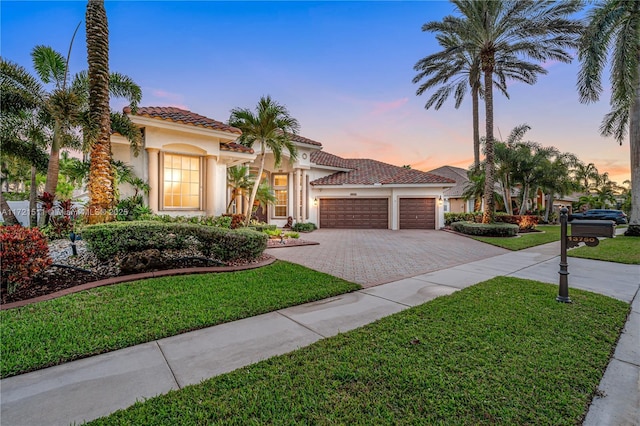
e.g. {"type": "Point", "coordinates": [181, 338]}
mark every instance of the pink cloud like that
{"type": "Point", "coordinates": [383, 107]}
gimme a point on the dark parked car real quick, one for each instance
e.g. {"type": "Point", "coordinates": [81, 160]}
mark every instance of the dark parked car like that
{"type": "Point", "coordinates": [618, 216]}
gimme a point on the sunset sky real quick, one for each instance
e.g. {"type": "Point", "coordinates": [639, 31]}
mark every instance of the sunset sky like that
{"type": "Point", "coordinates": [343, 69]}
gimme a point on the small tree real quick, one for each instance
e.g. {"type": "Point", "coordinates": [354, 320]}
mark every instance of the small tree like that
{"type": "Point", "coordinates": [270, 127]}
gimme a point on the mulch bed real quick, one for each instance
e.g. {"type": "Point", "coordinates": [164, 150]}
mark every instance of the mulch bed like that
{"type": "Point", "coordinates": [57, 278]}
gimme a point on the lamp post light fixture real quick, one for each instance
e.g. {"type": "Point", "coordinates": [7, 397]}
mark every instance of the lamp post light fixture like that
{"type": "Point", "coordinates": [72, 237]}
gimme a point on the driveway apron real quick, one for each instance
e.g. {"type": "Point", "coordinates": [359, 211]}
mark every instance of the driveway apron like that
{"type": "Point", "coordinates": [371, 257]}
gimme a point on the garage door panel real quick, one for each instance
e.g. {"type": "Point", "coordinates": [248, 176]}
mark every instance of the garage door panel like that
{"type": "Point", "coordinates": [354, 213]}
{"type": "Point", "coordinates": [417, 213]}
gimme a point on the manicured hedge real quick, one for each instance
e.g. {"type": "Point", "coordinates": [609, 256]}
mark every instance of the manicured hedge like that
{"type": "Point", "coordinates": [304, 227]}
{"type": "Point", "coordinates": [486, 229]}
{"type": "Point", "coordinates": [110, 239]}
{"type": "Point", "coordinates": [450, 218]}
{"type": "Point", "coordinates": [523, 221]}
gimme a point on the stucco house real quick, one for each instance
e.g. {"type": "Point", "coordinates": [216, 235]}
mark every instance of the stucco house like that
{"type": "Point", "coordinates": [185, 158]}
{"type": "Point", "coordinates": [454, 201]}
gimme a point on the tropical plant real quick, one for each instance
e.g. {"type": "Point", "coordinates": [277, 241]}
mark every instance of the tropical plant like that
{"type": "Point", "coordinates": [614, 28]}
{"type": "Point", "coordinates": [456, 69]}
{"type": "Point", "coordinates": [271, 128]}
{"type": "Point", "coordinates": [584, 174]}
{"type": "Point", "coordinates": [239, 181]}
{"type": "Point", "coordinates": [265, 195]}
{"type": "Point", "coordinates": [62, 108]}
{"type": "Point", "coordinates": [557, 179]}
{"type": "Point", "coordinates": [494, 29]}
{"type": "Point", "coordinates": [23, 139]}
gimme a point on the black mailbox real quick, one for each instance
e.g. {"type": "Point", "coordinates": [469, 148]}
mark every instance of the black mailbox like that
{"type": "Point", "coordinates": [593, 228]}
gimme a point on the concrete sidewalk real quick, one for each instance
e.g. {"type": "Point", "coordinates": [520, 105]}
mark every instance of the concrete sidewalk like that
{"type": "Point", "coordinates": [94, 387]}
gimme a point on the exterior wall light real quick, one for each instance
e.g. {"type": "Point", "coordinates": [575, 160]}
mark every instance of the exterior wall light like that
{"type": "Point", "coordinates": [315, 202]}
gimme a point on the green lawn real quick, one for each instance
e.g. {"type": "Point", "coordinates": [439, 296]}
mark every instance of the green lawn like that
{"type": "Point", "coordinates": [620, 249]}
{"type": "Point", "coordinates": [108, 318]}
{"type": "Point", "coordinates": [551, 233]}
{"type": "Point", "coordinates": [501, 352]}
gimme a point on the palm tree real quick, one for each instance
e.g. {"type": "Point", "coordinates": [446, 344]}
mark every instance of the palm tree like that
{"type": "Point", "coordinates": [500, 28]}
{"type": "Point", "coordinates": [239, 181]}
{"type": "Point", "coordinates": [63, 108]}
{"type": "Point", "coordinates": [23, 124]}
{"type": "Point", "coordinates": [506, 155]}
{"type": "Point", "coordinates": [270, 127]}
{"type": "Point", "coordinates": [455, 69]}
{"type": "Point", "coordinates": [615, 25]}
{"type": "Point", "coordinates": [24, 137]}
{"type": "Point", "coordinates": [585, 174]}
{"type": "Point", "coordinates": [98, 134]}
{"type": "Point", "coordinates": [556, 178]}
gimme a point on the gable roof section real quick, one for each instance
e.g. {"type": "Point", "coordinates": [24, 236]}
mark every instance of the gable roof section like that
{"type": "Point", "coordinates": [371, 172]}
{"type": "Point", "coordinates": [302, 139]}
{"type": "Point", "coordinates": [182, 116]}
{"type": "Point", "coordinates": [322, 158]}
{"type": "Point", "coordinates": [458, 174]}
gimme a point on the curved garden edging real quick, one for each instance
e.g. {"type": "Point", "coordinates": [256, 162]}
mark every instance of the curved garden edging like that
{"type": "Point", "coordinates": [136, 277]}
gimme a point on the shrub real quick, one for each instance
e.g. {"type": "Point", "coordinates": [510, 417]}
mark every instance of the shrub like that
{"type": "Point", "coordinates": [524, 222]}
{"type": "Point", "coordinates": [292, 235]}
{"type": "Point", "coordinates": [237, 220]}
{"type": "Point", "coordinates": [239, 244]}
{"type": "Point", "coordinates": [304, 227]}
{"type": "Point", "coordinates": [132, 208]}
{"type": "Point", "coordinates": [107, 240]}
{"type": "Point", "coordinates": [110, 239]}
{"type": "Point", "coordinates": [272, 232]}
{"type": "Point", "coordinates": [24, 253]}
{"type": "Point", "coordinates": [216, 221]}
{"type": "Point", "coordinates": [450, 218]}
{"type": "Point", "coordinates": [486, 229]}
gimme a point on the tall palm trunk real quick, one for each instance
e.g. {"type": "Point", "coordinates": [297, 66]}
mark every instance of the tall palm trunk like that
{"type": "Point", "coordinates": [477, 202]}
{"type": "Point", "coordinates": [256, 184]}
{"type": "Point", "coordinates": [489, 183]}
{"type": "Point", "coordinates": [53, 170]}
{"type": "Point", "coordinates": [476, 127]}
{"type": "Point", "coordinates": [33, 194]}
{"type": "Point", "coordinates": [101, 180]}
{"type": "Point", "coordinates": [634, 142]}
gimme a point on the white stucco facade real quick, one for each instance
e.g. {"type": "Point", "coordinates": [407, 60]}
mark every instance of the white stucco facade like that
{"type": "Point", "coordinates": [203, 155]}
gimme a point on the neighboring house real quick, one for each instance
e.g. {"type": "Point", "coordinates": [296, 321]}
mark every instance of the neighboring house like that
{"type": "Point", "coordinates": [454, 202]}
{"type": "Point", "coordinates": [186, 156]}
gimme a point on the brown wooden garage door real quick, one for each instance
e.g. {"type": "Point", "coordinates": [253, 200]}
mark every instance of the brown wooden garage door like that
{"type": "Point", "coordinates": [354, 213]}
{"type": "Point", "coordinates": [417, 213]}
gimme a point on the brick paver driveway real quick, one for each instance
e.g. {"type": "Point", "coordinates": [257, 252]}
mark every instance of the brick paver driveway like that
{"type": "Point", "coordinates": [377, 256]}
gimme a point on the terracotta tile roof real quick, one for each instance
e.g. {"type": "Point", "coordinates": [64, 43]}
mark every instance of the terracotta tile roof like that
{"type": "Point", "coordinates": [182, 116]}
{"type": "Point", "coordinates": [235, 147]}
{"type": "Point", "coordinates": [322, 158]}
{"type": "Point", "coordinates": [370, 172]}
{"type": "Point", "coordinates": [456, 173]}
{"type": "Point", "coordinates": [302, 139]}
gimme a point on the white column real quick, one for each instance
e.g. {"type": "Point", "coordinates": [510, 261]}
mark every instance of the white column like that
{"type": "Point", "coordinates": [296, 190]}
{"type": "Point", "coordinates": [210, 185]}
{"type": "Point", "coordinates": [154, 184]}
{"type": "Point", "coordinates": [305, 200]}
{"type": "Point", "coordinates": [291, 205]}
